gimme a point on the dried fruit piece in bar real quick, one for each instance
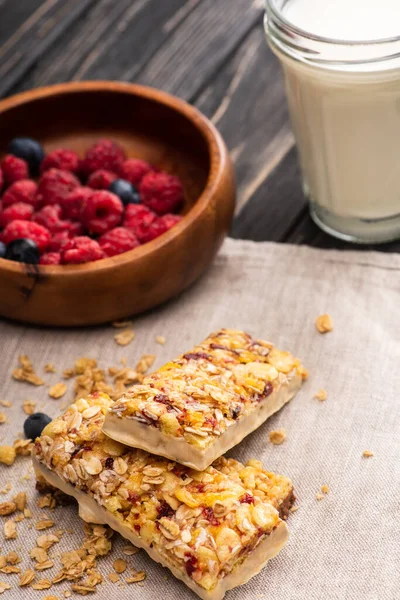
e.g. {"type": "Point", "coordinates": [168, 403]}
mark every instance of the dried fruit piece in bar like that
{"type": "Point", "coordinates": [213, 529]}
{"type": "Point", "coordinates": [197, 407]}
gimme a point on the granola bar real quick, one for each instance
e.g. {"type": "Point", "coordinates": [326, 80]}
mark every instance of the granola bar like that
{"type": "Point", "coordinates": [200, 405]}
{"type": "Point", "coordinates": [213, 529]}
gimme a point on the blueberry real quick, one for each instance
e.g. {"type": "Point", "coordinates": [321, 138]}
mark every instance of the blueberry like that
{"type": "Point", "coordinates": [2, 250]}
{"type": "Point", "coordinates": [28, 149]}
{"type": "Point", "coordinates": [23, 250]}
{"type": "Point", "coordinates": [35, 424]}
{"type": "Point", "coordinates": [125, 191]}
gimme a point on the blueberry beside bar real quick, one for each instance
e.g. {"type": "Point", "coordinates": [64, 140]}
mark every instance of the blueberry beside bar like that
{"type": "Point", "coordinates": [197, 407]}
{"type": "Point", "coordinates": [213, 529]}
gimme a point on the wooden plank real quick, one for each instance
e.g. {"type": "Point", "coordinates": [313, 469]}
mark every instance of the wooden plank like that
{"type": "Point", "coordinates": [246, 101]}
{"type": "Point", "coordinates": [35, 35]}
{"type": "Point", "coordinates": [13, 15]}
{"type": "Point", "coordinates": [276, 206]}
{"type": "Point", "coordinates": [201, 45]}
{"type": "Point", "coordinates": [112, 39]}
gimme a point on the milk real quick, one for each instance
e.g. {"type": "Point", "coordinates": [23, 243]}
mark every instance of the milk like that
{"type": "Point", "coordinates": [346, 120]}
{"type": "Point", "coordinates": [356, 20]}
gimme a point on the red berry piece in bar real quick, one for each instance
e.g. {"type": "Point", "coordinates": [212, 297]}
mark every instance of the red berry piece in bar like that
{"type": "Point", "coordinates": [104, 154]}
{"type": "Point", "coordinates": [14, 169]}
{"type": "Point", "coordinates": [50, 216]}
{"type": "Point", "coordinates": [27, 229]}
{"type": "Point", "coordinates": [50, 258]}
{"type": "Point", "coordinates": [138, 218]}
{"type": "Point", "coordinates": [73, 203]}
{"type": "Point", "coordinates": [22, 191]}
{"type": "Point", "coordinates": [161, 192]}
{"type": "Point", "coordinates": [101, 180]}
{"type": "Point", "coordinates": [117, 241]}
{"type": "Point", "coordinates": [102, 211]}
{"type": "Point", "coordinates": [80, 250]}
{"type": "Point", "coordinates": [55, 185]}
{"type": "Point", "coordinates": [62, 158]}
{"type": "Point", "coordinates": [160, 226]}
{"type": "Point", "coordinates": [18, 211]}
{"type": "Point", "coordinates": [133, 170]}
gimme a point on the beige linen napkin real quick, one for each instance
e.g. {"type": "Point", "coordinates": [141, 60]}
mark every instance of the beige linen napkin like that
{"type": "Point", "coordinates": [345, 546]}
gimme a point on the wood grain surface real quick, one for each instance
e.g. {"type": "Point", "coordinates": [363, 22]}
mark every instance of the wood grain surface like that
{"type": "Point", "coordinates": [211, 53]}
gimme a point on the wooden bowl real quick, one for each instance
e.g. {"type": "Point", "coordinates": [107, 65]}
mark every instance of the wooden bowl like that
{"type": "Point", "coordinates": [151, 125]}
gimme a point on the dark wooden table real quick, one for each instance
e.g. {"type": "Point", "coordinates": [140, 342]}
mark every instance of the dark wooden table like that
{"type": "Point", "coordinates": [212, 53]}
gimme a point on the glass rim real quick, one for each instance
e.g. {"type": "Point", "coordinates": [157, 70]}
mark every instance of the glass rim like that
{"type": "Point", "coordinates": [319, 50]}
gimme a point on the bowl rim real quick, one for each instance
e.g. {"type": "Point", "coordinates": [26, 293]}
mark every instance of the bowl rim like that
{"type": "Point", "coordinates": [219, 161]}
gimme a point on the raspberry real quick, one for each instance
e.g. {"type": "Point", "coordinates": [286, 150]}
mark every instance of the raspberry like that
{"type": "Point", "coordinates": [1, 180]}
{"type": "Point", "coordinates": [138, 218]}
{"type": "Point", "coordinates": [161, 192]}
{"type": "Point", "coordinates": [133, 170]}
{"type": "Point", "coordinates": [60, 240]}
{"type": "Point", "coordinates": [73, 203]}
{"type": "Point", "coordinates": [27, 229]}
{"type": "Point", "coordinates": [14, 169]}
{"type": "Point", "coordinates": [102, 211]}
{"type": "Point", "coordinates": [50, 217]}
{"type": "Point", "coordinates": [55, 185]}
{"type": "Point", "coordinates": [75, 228]}
{"type": "Point", "coordinates": [22, 191]}
{"type": "Point", "coordinates": [18, 211]}
{"type": "Point", "coordinates": [62, 158]}
{"type": "Point", "coordinates": [104, 154]}
{"type": "Point", "coordinates": [101, 180]}
{"type": "Point", "coordinates": [160, 226]}
{"type": "Point", "coordinates": [117, 241]}
{"type": "Point", "coordinates": [80, 250]}
{"type": "Point", "coordinates": [50, 258]}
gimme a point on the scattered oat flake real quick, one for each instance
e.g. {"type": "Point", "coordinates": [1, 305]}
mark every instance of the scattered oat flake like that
{"type": "Point", "coordinates": [325, 489]}
{"type": "Point", "coordinates": [20, 500]}
{"type": "Point", "coordinates": [44, 524]}
{"type": "Point", "coordinates": [135, 577]}
{"type": "Point", "coordinates": [119, 565]}
{"type": "Point", "coordinates": [113, 577]}
{"type": "Point", "coordinates": [49, 368]}
{"type": "Point", "coordinates": [23, 447]}
{"type": "Point", "coordinates": [145, 363]}
{"type": "Point", "coordinates": [44, 565]}
{"type": "Point", "coordinates": [278, 436]}
{"type": "Point", "coordinates": [320, 496]}
{"type": "Point", "coordinates": [324, 323]}
{"type": "Point", "coordinates": [26, 372]}
{"type": "Point", "coordinates": [29, 407]}
{"type": "Point", "coordinates": [67, 594]}
{"type": "Point", "coordinates": [3, 418]}
{"type": "Point", "coordinates": [58, 390]}
{"type": "Point", "coordinates": [321, 395]}
{"type": "Point", "coordinates": [6, 403]}
{"type": "Point", "coordinates": [124, 337]}
{"type": "Point", "coordinates": [10, 569]}
{"type": "Point", "coordinates": [4, 586]}
{"type": "Point", "coordinates": [130, 550]}
{"type": "Point", "coordinates": [82, 589]}
{"type": "Point", "coordinates": [160, 339]}
{"type": "Point", "coordinates": [10, 532]}
{"type": "Point", "coordinates": [50, 598]}
{"type": "Point", "coordinates": [42, 584]}
{"type": "Point", "coordinates": [7, 508]}
{"type": "Point", "coordinates": [13, 558]}
{"type": "Point", "coordinates": [367, 454]}
{"type": "Point", "coordinates": [293, 509]}
{"type": "Point", "coordinates": [7, 455]}
{"type": "Point", "coordinates": [27, 577]}
{"type": "Point", "coordinates": [7, 488]}
{"type": "Point", "coordinates": [121, 324]}
{"type": "Point", "coordinates": [27, 513]}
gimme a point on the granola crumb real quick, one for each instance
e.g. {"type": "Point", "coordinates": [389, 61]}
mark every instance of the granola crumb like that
{"type": "Point", "coordinates": [50, 598]}
{"type": "Point", "coordinates": [130, 550]}
{"type": "Point", "coordinates": [160, 339]}
{"type": "Point", "coordinates": [23, 447]}
{"type": "Point", "coordinates": [7, 488]}
{"type": "Point", "coordinates": [113, 577]}
{"type": "Point", "coordinates": [10, 531]}
{"type": "Point", "coordinates": [58, 390]}
{"type": "Point", "coordinates": [4, 586]}
{"type": "Point", "coordinates": [277, 436]}
{"type": "Point", "coordinates": [42, 584]}
{"type": "Point", "coordinates": [119, 565]}
{"type": "Point", "coordinates": [7, 508]}
{"type": "Point", "coordinates": [124, 337]}
{"type": "Point", "coordinates": [293, 509]}
{"type": "Point", "coordinates": [324, 323]}
{"type": "Point", "coordinates": [145, 363]}
{"type": "Point", "coordinates": [3, 418]}
{"type": "Point", "coordinates": [321, 395]}
{"type": "Point", "coordinates": [20, 501]}
{"type": "Point", "coordinates": [25, 372]}
{"type": "Point", "coordinates": [49, 368]}
{"type": "Point", "coordinates": [29, 407]}
{"type": "Point", "coordinates": [67, 594]}
{"type": "Point", "coordinates": [7, 455]}
{"type": "Point", "coordinates": [367, 454]}
{"type": "Point", "coordinates": [136, 576]}
{"type": "Point", "coordinates": [44, 524]}
{"type": "Point", "coordinates": [6, 403]}
{"type": "Point", "coordinates": [325, 489]}
{"type": "Point", "coordinates": [319, 496]}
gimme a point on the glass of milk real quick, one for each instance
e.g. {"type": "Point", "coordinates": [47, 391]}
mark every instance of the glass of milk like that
{"type": "Point", "coordinates": [341, 60]}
